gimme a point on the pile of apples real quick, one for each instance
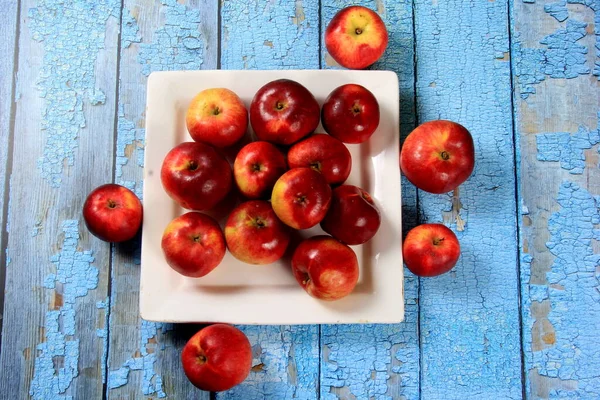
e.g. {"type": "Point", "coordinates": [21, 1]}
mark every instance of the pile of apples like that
{"type": "Point", "coordinates": [290, 179]}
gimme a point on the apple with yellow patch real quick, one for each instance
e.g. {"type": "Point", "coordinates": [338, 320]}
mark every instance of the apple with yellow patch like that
{"type": "Point", "coordinates": [356, 37]}
{"type": "Point", "coordinates": [326, 268]}
{"type": "Point", "coordinates": [255, 235]}
{"type": "Point", "coordinates": [193, 244]}
{"type": "Point", "coordinates": [257, 167]}
{"type": "Point", "coordinates": [217, 116]}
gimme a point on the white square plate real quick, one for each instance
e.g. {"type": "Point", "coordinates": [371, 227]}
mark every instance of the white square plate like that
{"type": "Point", "coordinates": [240, 293]}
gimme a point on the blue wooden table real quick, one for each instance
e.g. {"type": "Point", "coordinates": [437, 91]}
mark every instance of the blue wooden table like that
{"type": "Point", "coordinates": [519, 317]}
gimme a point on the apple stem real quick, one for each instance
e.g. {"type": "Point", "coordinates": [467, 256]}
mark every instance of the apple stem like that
{"type": "Point", "coordinates": [445, 155]}
{"type": "Point", "coordinates": [192, 166]}
{"type": "Point", "coordinates": [358, 31]}
{"type": "Point", "coordinates": [260, 223]}
{"type": "Point", "coordinates": [201, 359]}
{"type": "Point", "coordinates": [111, 204]}
{"type": "Point", "coordinates": [216, 111]}
{"type": "Point", "coordinates": [437, 241]}
{"type": "Point", "coordinates": [279, 105]}
{"type": "Point", "coordinates": [196, 239]}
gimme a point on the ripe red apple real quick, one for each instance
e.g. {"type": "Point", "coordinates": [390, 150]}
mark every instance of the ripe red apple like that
{"type": "Point", "coordinates": [353, 217]}
{"type": "Point", "coordinates": [350, 113]}
{"type": "Point", "coordinates": [301, 198]}
{"type": "Point", "coordinates": [430, 250]}
{"type": "Point", "coordinates": [283, 112]}
{"type": "Point", "coordinates": [325, 268]}
{"type": "Point", "coordinates": [257, 167]}
{"type": "Point", "coordinates": [255, 235]}
{"type": "Point", "coordinates": [324, 154]}
{"type": "Point", "coordinates": [193, 244]}
{"type": "Point", "coordinates": [438, 156]}
{"type": "Point", "coordinates": [217, 358]}
{"type": "Point", "coordinates": [217, 117]}
{"type": "Point", "coordinates": [113, 213]}
{"type": "Point", "coordinates": [356, 37]}
{"type": "Point", "coordinates": [196, 176]}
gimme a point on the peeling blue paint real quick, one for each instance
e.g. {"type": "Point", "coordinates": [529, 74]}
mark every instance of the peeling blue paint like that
{"type": "Point", "coordinates": [127, 135]}
{"type": "Point", "coordinates": [289, 364]}
{"type": "Point", "coordinates": [270, 46]}
{"type": "Point", "coordinates": [572, 290]}
{"type": "Point", "coordinates": [565, 58]}
{"type": "Point", "coordinates": [72, 33]}
{"type": "Point", "coordinates": [130, 31]}
{"type": "Point", "coordinates": [103, 333]}
{"type": "Point", "coordinates": [171, 49]}
{"type": "Point", "coordinates": [558, 10]}
{"type": "Point", "coordinates": [567, 148]}
{"type": "Point", "coordinates": [76, 273]}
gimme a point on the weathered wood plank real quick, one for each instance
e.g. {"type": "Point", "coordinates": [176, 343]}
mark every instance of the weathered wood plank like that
{"type": "Point", "coordinates": [8, 31]}
{"type": "Point", "coordinates": [58, 274]}
{"type": "Point", "coordinates": [469, 317]}
{"type": "Point", "coordinates": [379, 361]}
{"type": "Point", "coordinates": [144, 357]}
{"type": "Point", "coordinates": [275, 35]}
{"type": "Point", "coordinates": [555, 65]}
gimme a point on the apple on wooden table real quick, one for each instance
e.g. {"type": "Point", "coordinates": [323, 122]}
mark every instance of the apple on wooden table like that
{"type": "Point", "coordinates": [356, 37]}
{"type": "Point", "coordinates": [284, 111]}
{"type": "Point", "coordinates": [217, 358]}
{"type": "Point", "coordinates": [113, 213]}
{"type": "Point", "coordinates": [217, 116]}
{"type": "Point", "coordinates": [430, 250]}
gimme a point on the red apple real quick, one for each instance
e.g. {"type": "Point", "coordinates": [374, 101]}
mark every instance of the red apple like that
{"type": "Point", "coordinates": [324, 154]}
{"type": "Point", "coordinates": [193, 244]}
{"type": "Point", "coordinates": [283, 112]}
{"type": "Point", "coordinates": [325, 268]}
{"type": "Point", "coordinates": [254, 234]}
{"type": "Point", "coordinates": [196, 176]}
{"type": "Point", "coordinates": [217, 358]}
{"type": "Point", "coordinates": [113, 213]}
{"type": "Point", "coordinates": [353, 217]}
{"type": "Point", "coordinates": [430, 250]}
{"type": "Point", "coordinates": [301, 198]}
{"type": "Point", "coordinates": [438, 156]}
{"type": "Point", "coordinates": [350, 113]}
{"type": "Point", "coordinates": [356, 37]}
{"type": "Point", "coordinates": [257, 167]}
{"type": "Point", "coordinates": [217, 117]}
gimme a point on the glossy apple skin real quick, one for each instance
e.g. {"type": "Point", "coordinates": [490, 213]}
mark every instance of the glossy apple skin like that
{"type": "Point", "coordinates": [350, 113]}
{"type": "Point", "coordinates": [283, 112]}
{"type": "Point", "coordinates": [324, 154]}
{"type": "Point", "coordinates": [356, 37]}
{"type": "Point", "coordinates": [113, 213]}
{"type": "Point", "coordinates": [193, 244]}
{"type": "Point", "coordinates": [217, 116]}
{"type": "Point", "coordinates": [438, 156]}
{"type": "Point", "coordinates": [430, 250]}
{"type": "Point", "coordinates": [301, 198]}
{"type": "Point", "coordinates": [257, 167]}
{"type": "Point", "coordinates": [255, 235]}
{"type": "Point", "coordinates": [196, 176]}
{"type": "Point", "coordinates": [217, 358]}
{"type": "Point", "coordinates": [353, 217]}
{"type": "Point", "coordinates": [325, 268]}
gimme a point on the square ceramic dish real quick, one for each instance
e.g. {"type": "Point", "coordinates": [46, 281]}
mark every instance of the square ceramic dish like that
{"type": "Point", "coordinates": [240, 293]}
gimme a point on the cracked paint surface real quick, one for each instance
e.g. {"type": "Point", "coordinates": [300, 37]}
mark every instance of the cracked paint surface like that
{"type": "Point", "coordinates": [284, 363]}
{"type": "Point", "coordinates": [379, 361]}
{"type": "Point", "coordinates": [75, 276]}
{"type": "Point", "coordinates": [270, 46]}
{"type": "Point", "coordinates": [561, 55]}
{"type": "Point", "coordinates": [469, 317]}
{"type": "Point", "coordinates": [72, 33]}
{"type": "Point", "coordinates": [567, 148]}
{"type": "Point", "coordinates": [562, 351]}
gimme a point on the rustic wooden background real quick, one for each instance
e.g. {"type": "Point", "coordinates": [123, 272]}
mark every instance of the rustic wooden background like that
{"type": "Point", "coordinates": [519, 317]}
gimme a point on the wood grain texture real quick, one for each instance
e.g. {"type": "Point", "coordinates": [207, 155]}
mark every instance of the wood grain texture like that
{"type": "Point", "coordinates": [275, 35]}
{"type": "Point", "coordinates": [380, 361]}
{"type": "Point", "coordinates": [8, 31]}
{"type": "Point", "coordinates": [58, 273]}
{"type": "Point", "coordinates": [469, 317]}
{"type": "Point", "coordinates": [557, 105]}
{"type": "Point", "coordinates": [144, 357]}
